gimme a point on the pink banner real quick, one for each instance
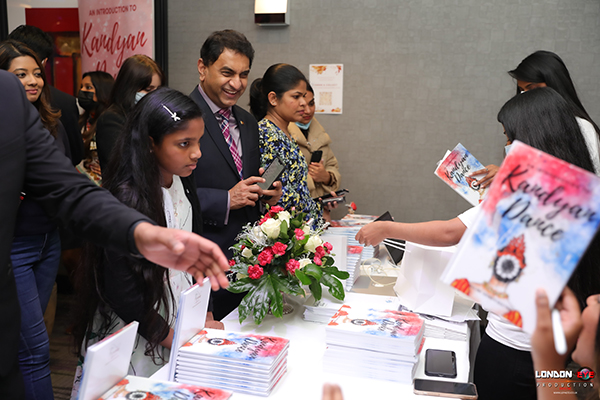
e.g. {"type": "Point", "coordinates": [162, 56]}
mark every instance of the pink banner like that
{"type": "Point", "coordinates": [112, 30]}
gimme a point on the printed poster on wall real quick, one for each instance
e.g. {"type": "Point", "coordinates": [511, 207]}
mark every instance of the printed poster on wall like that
{"type": "Point", "coordinates": [112, 30]}
{"type": "Point", "coordinates": [327, 81]}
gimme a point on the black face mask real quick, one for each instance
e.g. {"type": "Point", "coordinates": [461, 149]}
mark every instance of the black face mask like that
{"type": "Point", "coordinates": [86, 100]}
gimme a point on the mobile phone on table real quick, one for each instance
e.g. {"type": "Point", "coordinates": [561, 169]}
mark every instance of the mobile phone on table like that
{"type": "Point", "coordinates": [271, 174]}
{"type": "Point", "coordinates": [440, 363]}
{"type": "Point", "coordinates": [316, 156]}
{"type": "Point", "coordinates": [457, 390]}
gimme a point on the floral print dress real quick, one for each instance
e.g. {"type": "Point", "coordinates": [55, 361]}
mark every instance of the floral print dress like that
{"type": "Point", "coordinates": [275, 143]}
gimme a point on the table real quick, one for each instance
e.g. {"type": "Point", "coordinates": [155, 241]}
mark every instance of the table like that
{"type": "Point", "coordinates": [305, 376]}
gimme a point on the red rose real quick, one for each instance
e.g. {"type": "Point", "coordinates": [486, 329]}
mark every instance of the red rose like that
{"type": "Point", "coordinates": [292, 265]}
{"type": "Point", "coordinates": [320, 252]}
{"type": "Point", "coordinates": [318, 261]}
{"type": "Point", "coordinates": [265, 256]}
{"type": "Point", "coordinates": [231, 263]}
{"type": "Point", "coordinates": [299, 234]}
{"type": "Point", "coordinates": [328, 246]}
{"type": "Point", "coordinates": [255, 271]}
{"type": "Point", "coordinates": [279, 248]}
{"type": "Point", "coordinates": [275, 209]}
{"type": "Point", "coordinates": [263, 219]}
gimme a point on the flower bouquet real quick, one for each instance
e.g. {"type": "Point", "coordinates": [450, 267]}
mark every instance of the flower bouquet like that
{"type": "Point", "coordinates": [275, 256]}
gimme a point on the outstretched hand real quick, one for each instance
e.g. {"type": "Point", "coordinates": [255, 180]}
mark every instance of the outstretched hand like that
{"type": "Point", "coordinates": [372, 234]}
{"type": "Point", "coordinates": [184, 251]}
{"type": "Point", "coordinates": [332, 392]}
{"type": "Point", "coordinates": [490, 172]}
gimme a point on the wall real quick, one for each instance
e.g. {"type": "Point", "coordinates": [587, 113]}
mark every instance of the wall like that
{"type": "Point", "coordinates": [420, 76]}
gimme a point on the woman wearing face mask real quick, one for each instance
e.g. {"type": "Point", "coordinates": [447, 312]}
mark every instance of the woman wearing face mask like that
{"type": "Point", "coordinates": [93, 97]}
{"type": "Point", "coordinates": [323, 176]}
{"type": "Point", "coordinates": [276, 100]}
{"type": "Point", "coordinates": [138, 76]}
{"type": "Point", "coordinates": [35, 252]}
{"type": "Point", "coordinates": [547, 69]}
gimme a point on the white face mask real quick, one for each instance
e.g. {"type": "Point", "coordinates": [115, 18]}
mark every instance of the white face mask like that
{"type": "Point", "coordinates": [507, 149]}
{"type": "Point", "coordinates": [139, 95]}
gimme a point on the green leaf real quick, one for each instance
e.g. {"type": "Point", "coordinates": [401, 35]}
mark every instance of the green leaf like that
{"type": "Point", "coordinates": [302, 277]}
{"type": "Point", "coordinates": [287, 284]}
{"type": "Point", "coordinates": [328, 261]}
{"type": "Point", "coordinates": [243, 285]}
{"type": "Point", "coordinates": [260, 299]}
{"type": "Point", "coordinates": [335, 286]}
{"type": "Point", "coordinates": [313, 270]}
{"type": "Point", "coordinates": [336, 272]}
{"type": "Point", "coordinates": [276, 301]}
{"type": "Point", "coordinates": [315, 289]}
{"type": "Point", "coordinates": [295, 223]}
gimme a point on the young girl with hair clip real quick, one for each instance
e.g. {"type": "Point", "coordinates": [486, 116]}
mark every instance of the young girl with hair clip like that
{"type": "Point", "coordinates": [138, 76]}
{"type": "Point", "coordinates": [35, 253]}
{"type": "Point", "coordinates": [542, 119]}
{"type": "Point", "coordinates": [277, 99]}
{"type": "Point", "coordinates": [94, 98]}
{"type": "Point", "coordinates": [547, 69]}
{"type": "Point", "coordinates": [151, 172]}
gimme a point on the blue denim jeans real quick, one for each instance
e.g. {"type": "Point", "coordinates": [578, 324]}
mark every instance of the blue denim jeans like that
{"type": "Point", "coordinates": [35, 262]}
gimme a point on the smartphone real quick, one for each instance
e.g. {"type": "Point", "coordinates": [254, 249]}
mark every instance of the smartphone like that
{"type": "Point", "coordinates": [458, 390]}
{"type": "Point", "coordinates": [316, 156]}
{"type": "Point", "coordinates": [440, 363]}
{"type": "Point", "coordinates": [271, 174]}
{"type": "Point", "coordinates": [339, 193]}
{"type": "Point", "coordinates": [394, 251]}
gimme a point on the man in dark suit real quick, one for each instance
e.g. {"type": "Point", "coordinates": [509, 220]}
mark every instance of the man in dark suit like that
{"type": "Point", "coordinates": [42, 45]}
{"type": "Point", "coordinates": [228, 172]}
{"type": "Point", "coordinates": [30, 163]}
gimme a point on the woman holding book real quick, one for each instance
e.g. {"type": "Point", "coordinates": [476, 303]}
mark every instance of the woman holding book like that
{"type": "Point", "coordinates": [151, 172]}
{"type": "Point", "coordinates": [542, 119]}
{"type": "Point", "coordinates": [547, 69]}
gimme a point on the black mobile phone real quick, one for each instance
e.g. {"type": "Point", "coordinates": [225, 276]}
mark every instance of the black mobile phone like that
{"type": "Point", "coordinates": [396, 254]}
{"type": "Point", "coordinates": [316, 156]}
{"type": "Point", "coordinates": [271, 174]}
{"type": "Point", "coordinates": [339, 193]}
{"type": "Point", "coordinates": [458, 390]}
{"type": "Point", "coordinates": [440, 363]}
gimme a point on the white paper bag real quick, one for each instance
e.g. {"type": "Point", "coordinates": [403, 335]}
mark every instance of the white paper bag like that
{"type": "Point", "coordinates": [418, 286]}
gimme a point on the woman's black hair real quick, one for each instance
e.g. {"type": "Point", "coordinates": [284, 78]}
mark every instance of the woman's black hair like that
{"type": "Point", "coordinates": [11, 49]}
{"type": "Point", "coordinates": [135, 75]}
{"type": "Point", "coordinates": [134, 178]}
{"type": "Point", "coordinates": [103, 83]}
{"type": "Point", "coordinates": [279, 78]}
{"type": "Point", "coordinates": [309, 88]}
{"type": "Point", "coordinates": [547, 67]}
{"type": "Point", "coordinates": [543, 119]}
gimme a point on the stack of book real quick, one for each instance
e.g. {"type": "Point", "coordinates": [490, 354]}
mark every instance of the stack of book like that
{"type": "Point", "coordinates": [378, 344]}
{"type": "Point", "coordinates": [244, 363]}
{"type": "Point", "coordinates": [353, 261]}
{"type": "Point", "coordinates": [137, 387]}
{"type": "Point", "coordinates": [443, 329]}
{"type": "Point", "coordinates": [322, 310]}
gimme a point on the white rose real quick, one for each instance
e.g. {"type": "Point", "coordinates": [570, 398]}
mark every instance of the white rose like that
{"type": "Point", "coordinates": [284, 216]}
{"type": "Point", "coordinates": [306, 230]}
{"type": "Point", "coordinates": [256, 231]}
{"type": "Point", "coordinates": [271, 228]}
{"type": "Point", "coordinates": [247, 253]}
{"type": "Point", "coordinates": [304, 262]}
{"type": "Point", "coordinates": [312, 243]}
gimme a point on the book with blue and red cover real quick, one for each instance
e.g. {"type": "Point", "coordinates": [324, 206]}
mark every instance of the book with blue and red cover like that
{"type": "Point", "coordinates": [456, 168]}
{"type": "Point", "coordinates": [136, 387]}
{"type": "Point", "coordinates": [388, 331]}
{"type": "Point", "coordinates": [532, 230]}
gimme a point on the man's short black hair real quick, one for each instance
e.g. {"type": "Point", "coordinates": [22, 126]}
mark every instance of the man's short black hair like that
{"type": "Point", "coordinates": [36, 39]}
{"type": "Point", "coordinates": [227, 39]}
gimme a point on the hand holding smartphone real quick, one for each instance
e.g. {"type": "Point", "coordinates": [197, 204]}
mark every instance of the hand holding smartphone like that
{"type": "Point", "coordinates": [271, 174]}
{"type": "Point", "coordinates": [458, 390]}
